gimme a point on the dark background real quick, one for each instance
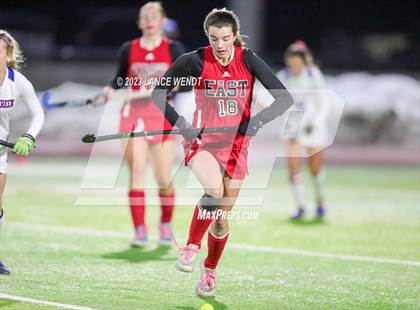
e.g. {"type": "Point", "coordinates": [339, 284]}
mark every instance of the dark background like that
{"type": "Point", "coordinates": [372, 35]}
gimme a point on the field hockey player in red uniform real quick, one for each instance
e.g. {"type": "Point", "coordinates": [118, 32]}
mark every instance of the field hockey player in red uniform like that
{"type": "Point", "coordinates": [223, 95]}
{"type": "Point", "coordinates": [140, 62]}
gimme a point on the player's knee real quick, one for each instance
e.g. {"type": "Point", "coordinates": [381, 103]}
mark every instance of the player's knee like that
{"type": "Point", "coordinates": [215, 192]}
{"type": "Point", "coordinates": [220, 226]}
{"type": "Point", "coordinates": [169, 190]}
{"type": "Point", "coordinates": [163, 183]}
{"type": "Point", "coordinates": [315, 171]}
{"type": "Point", "coordinates": [209, 202]}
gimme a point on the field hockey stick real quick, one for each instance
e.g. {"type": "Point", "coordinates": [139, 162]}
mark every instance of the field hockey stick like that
{"type": "Point", "coordinates": [47, 104]}
{"type": "Point", "coordinates": [7, 144]}
{"type": "Point", "coordinates": [95, 100]}
{"type": "Point", "coordinates": [91, 138]}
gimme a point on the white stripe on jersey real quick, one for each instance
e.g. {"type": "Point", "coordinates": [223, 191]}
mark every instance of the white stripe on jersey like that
{"type": "Point", "coordinates": [16, 88]}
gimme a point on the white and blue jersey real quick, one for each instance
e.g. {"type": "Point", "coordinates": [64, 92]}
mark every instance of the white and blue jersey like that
{"type": "Point", "coordinates": [308, 92]}
{"type": "Point", "coordinates": [16, 89]}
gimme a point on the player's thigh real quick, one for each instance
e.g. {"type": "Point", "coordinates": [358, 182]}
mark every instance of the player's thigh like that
{"type": "Point", "coordinates": [315, 160]}
{"type": "Point", "coordinates": [136, 155]}
{"type": "Point", "coordinates": [293, 152]}
{"type": "Point", "coordinates": [2, 186]}
{"type": "Point", "coordinates": [161, 158]}
{"type": "Point", "coordinates": [207, 170]}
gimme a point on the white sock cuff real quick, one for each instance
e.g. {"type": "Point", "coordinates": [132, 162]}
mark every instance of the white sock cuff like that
{"type": "Point", "coordinates": [224, 236]}
{"type": "Point", "coordinates": [296, 178]}
{"type": "Point", "coordinates": [320, 177]}
{"type": "Point", "coordinates": [298, 191]}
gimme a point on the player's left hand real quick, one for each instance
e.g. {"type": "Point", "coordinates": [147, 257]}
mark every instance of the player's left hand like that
{"type": "Point", "coordinates": [308, 129]}
{"type": "Point", "coordinates": [189, 133]}
{"type": "Point", "coordinates": [24, 145]}
{"type": "Point", "coordinates": [107, 92]}
{"type": "Point", "coordinates": [251, 126]}
{"type": "Point", "coordinates": [99, 100]}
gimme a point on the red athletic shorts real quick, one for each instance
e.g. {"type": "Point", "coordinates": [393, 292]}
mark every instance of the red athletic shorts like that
{"type": "Point", "coordinates": [144, 115]}
{"type": "Point", "coordinates": [233, 162]}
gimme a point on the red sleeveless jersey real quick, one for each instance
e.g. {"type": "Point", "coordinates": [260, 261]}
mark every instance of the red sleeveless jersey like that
{"type": "Point", "coordinates": [223, 99]}
{"type": "Point", "coordinates": [145, 67]}
{"type": "Point", "coordinates": [148, 65]}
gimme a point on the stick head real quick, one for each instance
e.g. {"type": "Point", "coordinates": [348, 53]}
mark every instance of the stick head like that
{"type": "Point", "coordinates": [46, 101]}
{"type": "Point", "coordinates": [89, 138]}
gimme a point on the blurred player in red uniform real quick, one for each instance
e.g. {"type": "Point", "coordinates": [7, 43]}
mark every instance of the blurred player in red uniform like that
{"type": "Point", "coordinates": [227, 72]}
{"type": "Point", "coordinates": [140, 62]}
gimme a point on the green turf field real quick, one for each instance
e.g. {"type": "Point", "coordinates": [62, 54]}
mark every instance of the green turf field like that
{"type": "Point", "coordinates": [365, 256]}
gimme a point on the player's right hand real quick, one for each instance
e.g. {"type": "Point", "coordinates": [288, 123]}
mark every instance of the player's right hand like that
{"type": "Point", "coordinates": [24, 145]}
{"type": "Point", "coordinates": [107, 91]}
{"type": "Point", "coordinates": [308, 129]}
{"type": "Point", "coordinates": [250, 127]}
{"type": "Point", "coordinates": [185, 129]}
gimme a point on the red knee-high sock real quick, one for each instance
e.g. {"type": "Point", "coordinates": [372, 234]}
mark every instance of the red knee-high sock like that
{"type": "Point", "coordinates": [137, 207]}
{"type": "Point", "coordinates": [198, 227]}
{"type": "Point", "coordinates": [167, 203]}
{"type": "Point", "coordinates": [215, 250]}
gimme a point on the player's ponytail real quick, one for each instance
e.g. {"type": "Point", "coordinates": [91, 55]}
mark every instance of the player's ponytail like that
{"type": "Point", "coordinates": [222, 17]}
{"type": "Point", "coordinates": [13, 50]}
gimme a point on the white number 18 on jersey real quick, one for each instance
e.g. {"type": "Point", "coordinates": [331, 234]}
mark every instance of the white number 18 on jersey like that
{"type": "Point", "coordinates": [228, 107]}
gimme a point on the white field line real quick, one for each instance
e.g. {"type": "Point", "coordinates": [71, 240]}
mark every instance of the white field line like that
{"type": "Point", "coordinates": [43, 302]}
{"type": "Point", "coordinates": [253, 248]}
{"type": "Point", "coordinates": [68, 230]}
{"type": "Point", "coordinates": [236, 246]}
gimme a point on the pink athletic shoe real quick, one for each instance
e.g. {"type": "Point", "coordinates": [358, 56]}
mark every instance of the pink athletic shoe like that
{"type": "Point", "coordinates": [165, 230]}
{"type": "Point", "coordinates": [140, 240]}
{"type": "Point", "coordinates": [187, 257]}
{"type": "Point", "coordinates": [206, 286]}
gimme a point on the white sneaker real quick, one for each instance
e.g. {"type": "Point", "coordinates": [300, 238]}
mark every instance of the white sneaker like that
{"type": "Point", "coordinates": [206, 286]}
{"type": "Point", "coordinates": [187, 257]}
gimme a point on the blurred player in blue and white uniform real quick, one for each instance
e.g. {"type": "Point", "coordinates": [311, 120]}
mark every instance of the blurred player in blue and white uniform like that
{"type": "Point", "coordinates": [15, 89]}
{"type": "Point", "coordinates": [309, 124]}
